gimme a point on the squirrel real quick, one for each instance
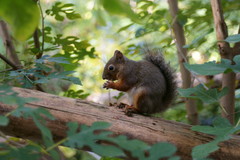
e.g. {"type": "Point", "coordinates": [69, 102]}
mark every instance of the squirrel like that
{"type": "Point", "coordinates": [150, 83]}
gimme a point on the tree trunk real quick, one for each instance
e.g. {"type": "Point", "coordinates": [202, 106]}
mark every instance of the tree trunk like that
{"type": "Point", "coordinates": [226, 52]}
{"type": "Point", "coordinates": [182, 58]}
{"type": "Point", "coordinates": [147, 129]}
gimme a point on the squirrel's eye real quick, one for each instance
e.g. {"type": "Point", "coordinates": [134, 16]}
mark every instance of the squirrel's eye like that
{"type": "Point", "coordinates": [111, 67]}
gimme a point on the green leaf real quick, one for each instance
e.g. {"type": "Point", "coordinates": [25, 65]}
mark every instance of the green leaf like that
{"type": "Point", "coordinates": [221, 128]}
{"type": "Point", "coordinates": [209, 68]}
{"type": "Point", "coordinates": [221, 122]}
{"type": "Point", "coordinates": [61, 60]}
{"type": "Point", "coordinates": [42, 67]}
{"type": "Point", "coordinates": [59, 75]}
{"type": "Point", "coordinates": [73, 126]}
{"type": "Point", "coordinates": [45, 58]}
{"type": "Point", "coordinates": [120, 7]}
{"type": "Point", "coordinates": [140, 32]}
{"type": "Point", "coordinates": [161, 150]}
{"type": "Point", "coordinates": [23, 17]}
{"type": "Point", "coordinates": [136, 147]}
{"type": "Point", "coordinates": [206, 96]}
{"type": "Point", "coordinates": [233, 38]}
{"type": "Point", "coordinates": [3, 121]}
{"type": "Point", "coordinates": [87, 137]}
{"type": "Point", "coordinates": [204, 150]}
{"type": "Point", "coordinates": [213, 68]}
{"type": "Point", "coordinates": [125, 27]}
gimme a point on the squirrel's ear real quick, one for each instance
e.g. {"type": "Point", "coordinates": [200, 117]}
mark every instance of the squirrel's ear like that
{"type": "Point", "coordinates": [118, 55]}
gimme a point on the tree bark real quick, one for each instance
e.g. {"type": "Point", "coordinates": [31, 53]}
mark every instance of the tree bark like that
{"type": "Point", "coordinates": [10, 49]}
{"type": "Point", "coordinates": [147, 129]}
{"type": "Point", "coordinates": [182, 58]}
{"type": "Point", "coordinates": [226, 52]}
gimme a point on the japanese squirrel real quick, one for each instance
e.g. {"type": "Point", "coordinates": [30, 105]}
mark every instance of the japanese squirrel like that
{"type": "Point", "coordinates": [150, 83]}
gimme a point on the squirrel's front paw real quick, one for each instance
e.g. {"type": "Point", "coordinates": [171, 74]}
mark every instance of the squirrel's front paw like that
{"type": "Point", "coordinates": [107, 84]}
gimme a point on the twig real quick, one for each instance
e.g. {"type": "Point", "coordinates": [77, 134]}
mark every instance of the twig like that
{"type": "Point", "coordinates": [9, 62]}
{"type": "Point", "coordinates": [43, 36]}
{"type": "Point", "coordinates": [28, 79]}
{"type": "Point", "coordinates": [56, 144]}
{"type": "Point", "coordinates": [7, 139]}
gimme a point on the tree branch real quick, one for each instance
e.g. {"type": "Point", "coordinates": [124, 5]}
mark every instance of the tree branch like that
{"type": "Point", "coordinates": [9, 62]}
{"type": "Point", "coordinates": [148, 129]}
{"type": "Point", "coordinates": [10, 49]}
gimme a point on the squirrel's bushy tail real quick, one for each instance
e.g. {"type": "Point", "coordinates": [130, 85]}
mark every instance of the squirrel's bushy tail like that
{"type": "Point", "coordinates": [156, 57]}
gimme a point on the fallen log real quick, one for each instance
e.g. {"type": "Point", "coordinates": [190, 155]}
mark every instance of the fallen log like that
{"type": "Point", "coordinates": [148, 129]}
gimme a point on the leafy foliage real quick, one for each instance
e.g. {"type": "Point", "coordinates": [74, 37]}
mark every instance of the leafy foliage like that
{"type": "Point", "coordinates": [59, 8]}
{"type": "Point", "coordinates": [35, 113]}
{"type": "Point", "coordinates": [88, 137]}
{"type": "Point", "coordinates": [26, 152]}
{"type": "Point", "coordinates": [199, 92]}
{"type": "Point", "coordinates": [222, 131]}
{"type": "Point", "coordinates": [74, 49]}
{"type": "Point", "coordinates": [42, 72]}
{"type": "Point", "coordinates": [22, 27]}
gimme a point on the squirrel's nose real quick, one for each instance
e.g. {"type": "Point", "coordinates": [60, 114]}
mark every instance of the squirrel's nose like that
{"type": "Point", "coordinates": [104, 77]}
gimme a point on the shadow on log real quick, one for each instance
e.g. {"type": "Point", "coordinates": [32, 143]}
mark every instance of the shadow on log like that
{"type": "Point", "coordinates": [147, 129]}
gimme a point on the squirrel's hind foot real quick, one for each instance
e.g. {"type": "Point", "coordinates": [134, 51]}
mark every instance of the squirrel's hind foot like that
{"type": "Point", "coordinates": [129, 110]}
